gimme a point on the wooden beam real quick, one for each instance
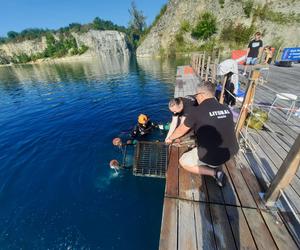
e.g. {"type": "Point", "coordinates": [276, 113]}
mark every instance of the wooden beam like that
{"type": "Point", "coordinates": [248, 99]}
{"type": "Point", "coordinates": [214, 71]}
{"type": "Point", "coordinates": [197, 64]}
{"type": "Point", "coordinates": [207, 68]}
{"type": "Point", "coordinates": [202, 66]}
{"type": "Point", "coordinates": [223, 90]}
{"type": "Point", "coordinates": [285, 174]}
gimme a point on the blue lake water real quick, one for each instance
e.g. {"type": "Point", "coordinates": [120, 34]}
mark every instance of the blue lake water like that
{"type": "Point", "coordinates": [57, 123]}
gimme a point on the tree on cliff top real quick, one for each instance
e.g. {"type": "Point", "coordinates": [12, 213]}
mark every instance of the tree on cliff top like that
{"type": "Point", "coordinates": [137, 19]}
{"type": "Point", "coordinates": [137, 24]}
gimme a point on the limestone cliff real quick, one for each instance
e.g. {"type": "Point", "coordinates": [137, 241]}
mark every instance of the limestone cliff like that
{"type": "Point", "coordinates": [163, 33]}
{"type": "Point", "coordinates": [100, 43]}
{"type": "Point", "coordinates": [104, 43]}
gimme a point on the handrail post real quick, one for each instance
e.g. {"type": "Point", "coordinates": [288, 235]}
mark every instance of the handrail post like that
{"type": "Point", "coordinates": [247, 101]}
{"type": "Point", "coordinates": [223, 90]}
{"type": "Point", "coordinates": [207, 68]}
{"type": "Point", "coordinates": [202, 66]}
{"type": "Point", "coordinates": [285, 174]}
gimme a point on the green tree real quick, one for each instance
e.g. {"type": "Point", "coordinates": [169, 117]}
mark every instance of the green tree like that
{"type": "Point", "coordinates": [12, 34]}
{"type": "Point", "coordinates": [96, 24]}
{"type": "Point", "coordinates": [137, 25]}
{"type": "Point", "coordinates": [51, 45]}
{"type": "Point", "coordinates": [75, 27]}
{"type": "Point", "coordinates": [247, 7]}
{"type": "Point", "coordinates": [137, 19]}
{"type": "Point", "coordinates": [205, 27]}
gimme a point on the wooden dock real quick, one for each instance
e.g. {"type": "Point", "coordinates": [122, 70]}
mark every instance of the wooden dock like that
{"type": "Point", "coordinates": [197, 214]}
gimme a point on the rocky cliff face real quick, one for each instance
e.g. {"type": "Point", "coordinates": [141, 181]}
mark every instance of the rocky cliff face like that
{"type": "Point", "coordinates": [104, 43]}
{"type": "Point", "coordinates": [164, 32]}
{"type": "Point", "coordinates": [28, 47]}
{"type": "Point", "coordinates": [101, 43]}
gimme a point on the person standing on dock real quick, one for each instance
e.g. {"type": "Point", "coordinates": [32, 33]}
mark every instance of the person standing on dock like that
{"type": "Point", "coordinates": [254, 51]}
{"type": "Point", "coordinates": [213, 126]}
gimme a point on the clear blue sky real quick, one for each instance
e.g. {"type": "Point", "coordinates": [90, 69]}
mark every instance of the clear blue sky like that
{"type": "Point", "coordinates": [21, 14]}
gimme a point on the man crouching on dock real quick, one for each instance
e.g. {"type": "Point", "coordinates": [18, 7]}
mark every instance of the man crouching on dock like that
{"type": "Point", "coordinates": [213, 126]}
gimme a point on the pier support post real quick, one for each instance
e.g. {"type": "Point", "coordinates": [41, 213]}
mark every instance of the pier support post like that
{"type": "Point", "coordinates": [285, 174]}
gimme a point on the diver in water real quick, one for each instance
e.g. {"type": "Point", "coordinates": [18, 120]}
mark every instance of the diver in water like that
{"type": "Point", "coordinates": [143, 127]}
{"type": "Point", "coordinates": [127, 145]}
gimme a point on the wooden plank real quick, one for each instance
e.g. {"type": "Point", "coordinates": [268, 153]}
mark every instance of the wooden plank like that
{"type": "Point", "coordinates": [240, 185]}
{"type": "Point", "coordinates": [253, 185]}
{"type": "Point", "coordinates": [259, 230]}
{"type": "Point", "coordinates": [204, 227]}
{"type": "Point", "coordinates": [202, 66]}
{"type": "Point", "coordinates": [187, 239]}
{"type": "Point", "coordinates": [213, 190]}
{"type": "Point", "coordinates": [285, 174]}
{"type": "Point", "coordinates": [185, 191]}
{"type": "Point", "coordinates": [172, 173]}
{"type": "Point", "coordinates": [229, 193]}
{"type": "Point", "coordinates": [199, 188]}
{"type": "Point", "coordinates": [279, 232]}
{"type": "Point", "coordinates": [207, 68]}
{"type": "Point", "coordinates": [223, 234]}
{"type": "Point", "coordinates": [241, 232]}
{"type": "Point", "coordinates": [168, 234]}
{"type": "Point", "coordinates": [223, 90]}
{"type": "Point", "coordinates": [274, 161]}
{"type": "Point", "coordinates": [191, 186]}
{"type": "Point", "coordinates": [264, 178]}
{"type": "Point", "coordinates": [244, 111]}
{"type": "Point", "coordinates": [266, 171]}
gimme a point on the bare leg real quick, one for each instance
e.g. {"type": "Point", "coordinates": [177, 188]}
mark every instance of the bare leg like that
{"type": "Point", "coordinates": [200, 170]}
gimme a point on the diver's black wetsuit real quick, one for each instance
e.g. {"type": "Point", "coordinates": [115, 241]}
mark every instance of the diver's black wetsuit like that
{"type": "Point", "coordinates": [140, 129]}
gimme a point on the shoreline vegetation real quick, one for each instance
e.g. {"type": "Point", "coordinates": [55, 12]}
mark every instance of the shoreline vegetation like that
{"type": "Point", "coordinates": [62, 43]}
{"type": "Point", "coordinates": [68, 59]}
{"type": "Point", "coordinates": [205, 34]}
{"type": "Point", "coordinates": [59, 43]}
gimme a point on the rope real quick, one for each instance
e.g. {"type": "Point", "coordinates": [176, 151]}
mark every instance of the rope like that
{"type": "Point", "coordinates": [275, 107]}
{"type": "Point", "coordinates": [274, 91]}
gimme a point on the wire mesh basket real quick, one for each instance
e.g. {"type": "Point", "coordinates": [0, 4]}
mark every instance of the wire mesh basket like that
{"type": "Point", "coordinates": [150, 159]}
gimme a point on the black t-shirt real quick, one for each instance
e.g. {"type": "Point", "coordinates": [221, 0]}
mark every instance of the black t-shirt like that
{"type": "Point", "coordinates": [213, 126]}
{"type": "Point", "coordinates": [254, 47]}
{"type": "Point", "coordinates": [188, 103]}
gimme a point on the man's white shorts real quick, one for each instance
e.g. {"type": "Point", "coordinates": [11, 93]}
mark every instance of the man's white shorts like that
{"type": "Point", "coordinates": [191, 159]}
{"type": "Point", "coordinates": [251, 60]}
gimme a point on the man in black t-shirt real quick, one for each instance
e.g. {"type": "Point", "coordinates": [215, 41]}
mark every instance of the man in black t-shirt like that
{"type": "Point", "coordinates": [180, 107]}
{"type": "Point", "coordinates": [253, 51]}
{"type": "Point", "coordinates": [213, 126]}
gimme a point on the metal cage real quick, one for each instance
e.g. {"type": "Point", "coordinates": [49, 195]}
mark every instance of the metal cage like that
{"type": "Point", "coordinates": [150, 159]}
